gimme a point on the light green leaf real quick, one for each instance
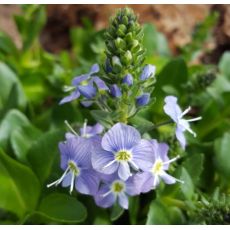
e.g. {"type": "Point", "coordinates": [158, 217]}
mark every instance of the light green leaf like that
{"type": "Point", "coordinates": [19, 188]}
{"type": "Point", "coordinates": [21, 140]}
{"type": "Point", "coordinates": [44, 153]}
{"type": "Point", "coordinates": [116, 212]}
{"type": "Point", "coordinates": [157, 213]}
{"type": "Point", "coordinates": [224, 64]}
{"type": "Point", "coordinates": [7, 79]}
{"type": "Point", "coordinates": [222, 159]}
{"type": "Point", "coordinates": [12, 120]}
{"type": "Point", "coordinates": [63, 208]}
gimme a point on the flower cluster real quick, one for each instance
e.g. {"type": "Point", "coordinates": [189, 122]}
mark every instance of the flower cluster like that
{"type": "Point", "coordinates": [111, 160]}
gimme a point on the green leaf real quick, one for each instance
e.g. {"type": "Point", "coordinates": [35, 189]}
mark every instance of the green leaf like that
{"type": "Point", "coordinates": [154, 41]}
{"type": "Point", "coordinates": [116, 212]}
{"type": "Point", "coordinates": [21, 140]}
{"type": "Point", "coordinates": [7, 79]}
{"type": "Point", "coordinates": [133, 209]}
{"type": "Point", "coordinates": [222, 159]}
{"type": "Point", "coordinates": [224, 64]}
{"type": "Point", "coordinates": [157, 213]}
{"type": "Point", "coordinates": [19, 188]}
{"type": "Point", "coordinates": [7, 46]}
{"type": "Point", "coordinates": [194, 166]}
{"type": "Point", "coordinates": [102, 117]}
{"type": "Point", "coordinates": [44, 153]}
{"type": "Point", "coordinates": [175, 74]}
{"type": "Point", "coordinates": [12, 120]}
{"type": "Point", "coordinates": [187, 187]}
{"type": "Point", "coordinates": [63, 208]}
{"type": "Point", "coordinates": [142, 124]}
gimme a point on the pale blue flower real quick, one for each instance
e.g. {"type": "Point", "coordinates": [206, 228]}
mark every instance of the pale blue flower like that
{"type": "Point", "coordinates": [150, 179]}
{"type": "Point", "coordinates": [77, 167]}
{"type": "Point", "coordinates": [122, 149]}
{"type": "Point", "coordinates": [113, 190]}
{"type": "Point", "coordinates": [128, 80]}
{"type": "Point", "coordinates": [115, 91]}
{"type": "Point", "coordinates": [172, 109]}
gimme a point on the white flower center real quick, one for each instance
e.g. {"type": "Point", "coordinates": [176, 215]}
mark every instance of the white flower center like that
{"type": "Point", "coordinates": [123, 155]}
{"type": "Point", "coordinates": [118, 186]}
{"type": "Point", "coordinates": [157, 167]}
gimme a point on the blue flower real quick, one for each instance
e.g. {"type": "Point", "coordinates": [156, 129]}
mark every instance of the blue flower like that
{"type": "Point", "coordinates": [121, 148]}
{"type": "Point", "coordinates": [128, 79]}
{"type": "Point", "coordinates": [84, 85]}
{"type": "Point", "coordinates": [172, 109]}
{"type": "Point", "coordinates": [143, 99]}
{"type": "Point", "coordinates": [86, 131]}
{"type": "Point", "coordinates": [114, 190]}
{"type": "Point", "coordinates": [147, 72]}
{"type": "Point", "coordinates": [150, 179]}
{"type": "Point", "coordinates": [115, 91]}
{"type": "Point", "coordinates": [76, 164]}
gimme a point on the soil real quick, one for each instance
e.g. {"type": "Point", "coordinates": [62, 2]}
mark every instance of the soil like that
{"type": "Point", "coordinates": [177, 22]}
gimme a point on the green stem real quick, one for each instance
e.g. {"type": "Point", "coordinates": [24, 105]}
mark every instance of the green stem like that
{"type": "Point", "coordinates": [162, 124]}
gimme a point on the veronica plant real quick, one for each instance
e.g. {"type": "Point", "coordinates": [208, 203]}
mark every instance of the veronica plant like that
{"type": "Point", "coordinates": [112, 160]}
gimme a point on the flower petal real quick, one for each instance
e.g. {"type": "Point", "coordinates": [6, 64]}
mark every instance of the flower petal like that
{"type": "Point", "coordinates": [143, 182]}
{"type": "Point", "coordinates": [67, 180]}
{"type": "Point", "coordinates": [87, 91]}
{"type": "Point", "coordinates": [128, 79]}
{"type": "Point", "coordinates": [103, 200]}
{"type": "Point", "coordinates": [123, 200]}
{"type": "Point", "coordinates": [143, 155]}
{"type": "Point", "coordinates": [167, 178]}
{"type": "Point", "coordinates": [86, 103]}
{"type": "Point", "coordinates": [120, 137]}
{"type": "Point", "coordinates": [87, 182]}
{"type": "Point", "coordinates": [103, 161]}
{"type": "Point", "coordinates": [124, 171]}
{"type": "Point", "coordinates": [171, 108]}
{"type": "Point", "coordinates": [100, 83]}
{"type": "Point", "coordinates": [77, 80]}
{"type": "Point", "coordinates": [94, 69]}
{"type": "Point", "coordinates": [115, 91]}
{"type": "Point", "coordinates": [74, 95]}
{"type": "Point", "coordinates": [180, 137]}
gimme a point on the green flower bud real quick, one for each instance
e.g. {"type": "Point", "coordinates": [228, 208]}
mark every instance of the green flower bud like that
{"type": "Point", "coordinates": [127, 58]}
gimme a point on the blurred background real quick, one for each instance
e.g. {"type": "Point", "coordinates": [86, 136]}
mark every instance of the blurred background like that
{"type": "Point", "coordinates": [176, 22]}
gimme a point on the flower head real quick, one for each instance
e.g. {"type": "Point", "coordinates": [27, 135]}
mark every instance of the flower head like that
{"type": "Point", "coordinates": [122, 149]}
{"type": "Point", "coordinates": [84, 85]}
{"type": "Point", "coordinates": [76, 164]}
{"type": "Point", "coordinates": [172, 109]}
{"type": "Point", "coordinates": [114, 189]}
{"type": "Point", "coordinates": [150, 179]}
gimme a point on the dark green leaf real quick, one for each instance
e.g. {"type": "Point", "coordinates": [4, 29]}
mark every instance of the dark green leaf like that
{"type": "Point", "coordinates": [224, 64]}
{"type": "Point", "coordinates": [19, 188]}
{"type": "Point", "coordinates": [63, 208]}
{"type": "Point", "coordinates": [116, 212]}
{"type": "Point", "coordinates": [194, 166]}
{"type": "Point", "coordinates": [44, 153]}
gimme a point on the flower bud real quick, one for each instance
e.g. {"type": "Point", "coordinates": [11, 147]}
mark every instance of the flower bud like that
{"type": "Point", "coordinates": [128, 80]}
{"type": "Point", "coordinates": [143, 99]}
{"type": "Point", "coordinates": [115, 91]}
{"type": "Point", "coordinates": [148, 71]}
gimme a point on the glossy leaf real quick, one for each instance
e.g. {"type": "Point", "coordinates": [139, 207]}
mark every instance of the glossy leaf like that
{"type": "Point", "coordinates": [62, 208]}
{"type": "Point", "coordinates": [19, 188]}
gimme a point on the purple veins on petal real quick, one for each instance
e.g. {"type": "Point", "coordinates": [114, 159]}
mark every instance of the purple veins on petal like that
{"type": "Point", "coordinates": [122, 149]}
{"type": "Point", "coordinates": [115, 190]}
{"type": "Point", "coordinates": [76, 164]}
